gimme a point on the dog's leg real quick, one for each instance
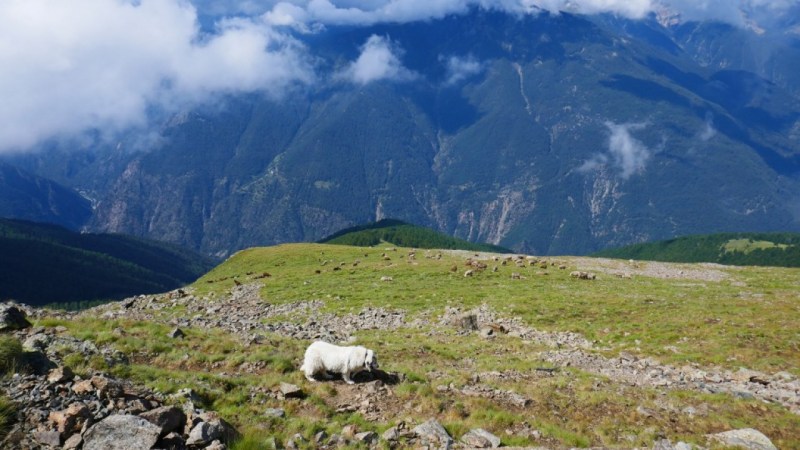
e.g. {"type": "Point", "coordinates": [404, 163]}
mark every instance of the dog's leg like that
{"type": "Point", "coordinates": [346, 378]}
{"type": "Point", "coordinates": [327, 375]}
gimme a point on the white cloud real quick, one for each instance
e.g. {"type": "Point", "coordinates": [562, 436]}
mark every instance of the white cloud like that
{"type": "Point", "coordinates": [68, 67]}
{"type": "Point", "coordinates": [625, 153]}
{"type": "Point", "coordinates": [460, 68]}
{"type": "Point", "coordinates": [367, 12]}
{"type": "Point", "coordinates": [708, 131]}
{"type": "Point", "coordinates": [378, 60]}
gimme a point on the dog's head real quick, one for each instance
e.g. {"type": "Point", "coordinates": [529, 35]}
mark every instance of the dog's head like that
{"type": "Point", "coordinates": [371, 361]}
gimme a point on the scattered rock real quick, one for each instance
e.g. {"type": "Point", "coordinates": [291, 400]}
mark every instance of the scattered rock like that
{"type": "Point", "coordinates": [645, 412]}
{"type": "Point", "coordinates": [204, 433]}
{"type": "Point", "coordinates": [349, 431]}
{"type": "Point", "coordinates": [391, 435]}
{"type": "Point", "coordinates": [466, 322]}
{"type": "Point", "coordinates": [320, 437]}
{"type": "Point", "coordinates": [385, 278]}
{"type": "Point", "coordinates": [176, 333]}
{"type": "Point", "coordinates": [48, 438]}
{"type": "Point", "coordinates": [480, 438]}
{"type": "Point", "coordinates": [290, 390]}
{"type": "Point", "coordinates": [70, 420]}
{"type": "Point", "coordinates": [748, 438]}
{"type": "Point", "coordinates": [217, 445]}
{"type": "Point", "coordinates": [172, 441]}
{"type": "Point", "coordinates": [74, 442]}
{"type": "Point", "coordinates": [60, 375]}
{"type": "Point", "coordinates": [121, 432]}
{"type": "Point", "coordinates": [433, 432]}
{"type": "Point", "coordinates": [83, 387]}
{"type": "Point", "coordinates": [275, 412]}
{"type": "Point", "coordinates": [367, 437]}
{"type": "Point", "coordinates": [168, 418]}
{"type": "Point", "coordinates": [107, 388]}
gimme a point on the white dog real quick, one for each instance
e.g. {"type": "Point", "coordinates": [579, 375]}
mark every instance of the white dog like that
{"type": "Point", "coordinates": [322, 357]}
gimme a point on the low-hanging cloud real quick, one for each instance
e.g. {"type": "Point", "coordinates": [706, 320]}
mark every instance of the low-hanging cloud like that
{"type": "Point", "coordinates": [708, 130]}
{"type": "Point", "coordinates": [460, 68]}
{"type": "Point", "coordinates": [379, 60]}
{"type": "Point", "coordinates": [626, 154]}
{"type": "Point", "coordinates": [103, 64]}
{"type": "Point", "coordinates": [300, 13]}
{"type": "Point", "coordinates": [68, 67]}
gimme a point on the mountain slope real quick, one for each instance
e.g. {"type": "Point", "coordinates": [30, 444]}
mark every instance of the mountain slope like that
{"type": "Point", "coordinates": [742, 249]}
{"type": "Point", "coordinates": [29, 197]}
{"type": "Point", "coordinates": [49, 264]}
{"type": "Point", "coordinates": [404, 235]}
{"type": "Point", "coordinates": [573, 134]}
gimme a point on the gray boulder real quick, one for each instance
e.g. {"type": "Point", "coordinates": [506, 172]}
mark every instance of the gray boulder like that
{"type": "Point", "coordinates": [121, 432]}
{"type": "Point", "coordinates": [480, 438]}
{"type": "Point", "coordinates": [433, 432]}
{"type": "Point", "coordinates": [746, 438]}
{"type": "Point", "coordinates": [168, 418]}
{"type": "Point", "coordinates": [210, 428]}
{"type": "Point", "coordinates": [12, 318]}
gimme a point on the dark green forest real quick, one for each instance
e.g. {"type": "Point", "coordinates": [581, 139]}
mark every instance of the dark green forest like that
{"type": "Point", "coordinates": [739, 249]}
{"type": "Point", "coordinates": [403, 234]}
{"type": "Point", "coordinates": [47, 264]}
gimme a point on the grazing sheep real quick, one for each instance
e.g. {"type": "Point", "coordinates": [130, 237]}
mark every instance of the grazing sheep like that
{"type": "Point", "coordinates": [322, 357]}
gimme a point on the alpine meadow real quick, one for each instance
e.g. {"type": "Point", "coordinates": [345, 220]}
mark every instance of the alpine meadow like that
{"type": "Point", "coordinates": [399, 224]}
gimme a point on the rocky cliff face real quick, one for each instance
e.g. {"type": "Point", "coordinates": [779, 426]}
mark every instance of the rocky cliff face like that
{"type": "Point", "coordinates": [571, 134]}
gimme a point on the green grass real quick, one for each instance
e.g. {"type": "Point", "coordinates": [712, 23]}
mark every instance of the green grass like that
{"type": "Point", "coordinates": [711, 323]}
{"type": "Point", "coordinates": [749, 319]}
{"type": "Point", "coordinates": [11, 355]}
{"type": "Point", "coordinates": [8, 413]}
{"type": "Point", "coordinates": [749, 245]}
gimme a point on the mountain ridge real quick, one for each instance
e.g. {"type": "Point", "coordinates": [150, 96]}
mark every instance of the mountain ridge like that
{"type": "Point", "coordinates": [572, 134]}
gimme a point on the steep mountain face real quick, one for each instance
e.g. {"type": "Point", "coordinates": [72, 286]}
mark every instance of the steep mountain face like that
{"type": "Point", "coordinates": [27, 196]}
{"type": "Point", "coordinates": [566, 135]}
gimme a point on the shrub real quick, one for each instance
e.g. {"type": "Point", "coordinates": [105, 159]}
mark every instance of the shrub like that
{"type": "Point", "coordinates": [11, 355]}
{"type": "Point", "coordinates": [8, 413]}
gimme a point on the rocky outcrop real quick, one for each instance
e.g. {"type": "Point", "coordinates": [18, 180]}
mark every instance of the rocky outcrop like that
{"type": "Point", "coordinates": [121, 432]}
{"type": "Point", "coordinates": [12, 318]}
{"type": "Point", "coordinates": [60, 409]}
{"type": "Point", "coordinates": [782, 388]}
{"type": "Point", "coordinates": [244, 313]}
{"type": "Point", "coordinates": [101, 412]}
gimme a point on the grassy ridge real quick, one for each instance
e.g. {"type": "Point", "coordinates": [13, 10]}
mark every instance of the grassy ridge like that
{"type": "Point", "coordinates": [45, 264]}
{"type": "Point", "coordinates": [738, 249]}
{"type": "Point", "coordinates": [746, 318]}
{"type": "Point", "coordinates": [403, 234]}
